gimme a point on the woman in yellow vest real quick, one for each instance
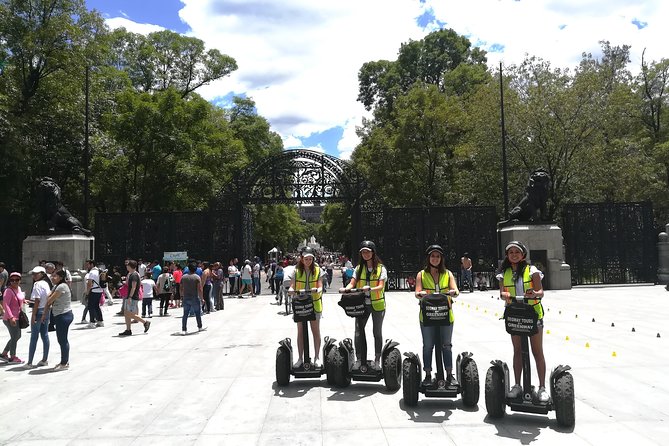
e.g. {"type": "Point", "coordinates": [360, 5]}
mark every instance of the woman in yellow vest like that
{"type": "Point", "coordinates": [517, 278]}
{"type": "Point", "coordinates": [435, 278]}
{"type": "Point", "coordinates": [371, 276]}
{"type": "Point", "coordinates": [307, 276]}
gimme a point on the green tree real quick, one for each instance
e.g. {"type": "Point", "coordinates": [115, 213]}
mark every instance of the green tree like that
{"type": "Point", "coordinates": [277, 225]}
{"type": "Point", "coordinates": [335, 232]}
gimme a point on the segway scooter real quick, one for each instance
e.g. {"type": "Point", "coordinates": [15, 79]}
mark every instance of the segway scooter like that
{"type": "Point", "coordinates": [521, 319]}
{"type": "Point", "coordinates": [303, 312]}
{"type": "Point", "coordinates": [341, 360]}
{"type": "Point", "coordinates": [436, 313]}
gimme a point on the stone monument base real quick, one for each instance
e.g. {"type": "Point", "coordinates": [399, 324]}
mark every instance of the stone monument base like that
{"type": "Point", "coordinates": [546, 251]}
{"type": "Point", "coordinates": [71, 249]}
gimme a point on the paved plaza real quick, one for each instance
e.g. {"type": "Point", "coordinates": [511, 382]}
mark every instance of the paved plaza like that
{"type": "Point", "coordinates": [218, 386]}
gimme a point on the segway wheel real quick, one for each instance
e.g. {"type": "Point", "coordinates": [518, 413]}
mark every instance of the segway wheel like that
{"type": "Point", "coordinates": [340, 365]}
{"type": "Point", "coordinates": [330, 367]}
{"type": "Point", "coordinates": [282, 367]}
{"type": "Point", "coordinates": [563, 400]}
{"type": "Point", "coordinates": [470, 384]}
{"type": "Point", "coordinates": [495, 398]}
{"type": "Point", "coordinates": [392, 370]}
{"type": "Point", "coordinates": [411, 383]}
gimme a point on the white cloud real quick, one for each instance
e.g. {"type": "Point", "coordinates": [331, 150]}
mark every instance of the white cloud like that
{"type": "Point", "coordinates": [299, 59]}
{"type": "Point", "coordinates": [139, 28]}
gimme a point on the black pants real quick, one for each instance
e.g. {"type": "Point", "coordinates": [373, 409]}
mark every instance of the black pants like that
{"type": "Point", "coordinates": [147, 304]}
{"type": "Point", "coordinates": [233, 282]}
{"type": "Point", "coordinates": [94, 307]}
{"type": "Point", "coordinates": [206, 292]}
{"type": "Point", "coordinates": [360, 339]}
{"type": "Point", "coordinates": [164, 302]}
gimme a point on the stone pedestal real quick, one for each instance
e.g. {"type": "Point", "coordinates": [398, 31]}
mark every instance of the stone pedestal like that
{"type": "Point", "coordinates": [71, 249]}
{"type": "Point", "coordinates": [663, 257]}
{"type": "Point", "coordinates": [546, 251]}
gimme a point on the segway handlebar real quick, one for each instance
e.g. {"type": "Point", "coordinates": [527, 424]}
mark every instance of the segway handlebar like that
{"type": "Point", "coordinates": [365, 290]}
{"type": "Point", "coordinates": [304, 292]}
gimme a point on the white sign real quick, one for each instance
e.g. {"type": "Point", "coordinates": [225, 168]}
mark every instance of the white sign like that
{"type": "Point", "coordinates": [175, 256]}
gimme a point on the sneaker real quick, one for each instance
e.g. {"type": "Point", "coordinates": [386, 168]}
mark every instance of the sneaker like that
{"type": "Point", "coordinates": [29, 366]}
{"type": "Point", "coordinates": [166, 314]}
{"type": "Point", "coordinates": [42, 363]}
{"type": "Point", "coordinates": [4, 358]}
{"type": "Point", "coordinates": [125, 333]}
{"type": "Point", "coordinates": [375, 365]}
{"type": "Point", "coordinates": [356, 365]}
{"type": "Point", "coordinates": [428, 379]}
{"type": "Point", "coordinates": [298, 364]}
{"type": "Point", "coordinates": [451, 380]}
{"type": "Point", "coordinates": [15, 360]}
{"type": "Point", "coordinates": [201, 328]}
{"type": "Point", "coordinates": [515, 391]}
{"type": "Point", "coordinates": [316, 363]}
{"type": "Point", "coordinates": [543, 395]}
{"type": "Point", "coordinates": [91, 325]}
{"type": "Point", "coordinates": [100, 324]}
{"type": "Point", "coordinates": [150, 316]}
{"type": "Point", "coordinates": [147, 324]}
{"type": "Point", "coordinates": [60, 367]}
{"type": "Point", "coordinates": [82, 322]}
{"type": "Point", "coordinates": [183, 333]}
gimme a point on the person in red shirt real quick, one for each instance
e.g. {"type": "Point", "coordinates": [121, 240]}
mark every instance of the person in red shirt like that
{"type": "Point", "coordinates": [177, 274]}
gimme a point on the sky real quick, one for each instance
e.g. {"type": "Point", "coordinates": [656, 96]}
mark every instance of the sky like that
{"type": "Point", "coordinates": [299, 59]}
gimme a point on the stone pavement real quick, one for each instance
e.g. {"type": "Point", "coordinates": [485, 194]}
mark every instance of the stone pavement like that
{"type": "Point", "coordinates": [217, 387]}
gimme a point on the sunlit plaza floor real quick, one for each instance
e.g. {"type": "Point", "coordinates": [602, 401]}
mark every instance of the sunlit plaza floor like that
{"type": "Point", "coordinates": [218, 386]}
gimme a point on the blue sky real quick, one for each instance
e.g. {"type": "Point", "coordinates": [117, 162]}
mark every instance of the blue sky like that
{"type": "Point", "coordinates": [299, 59]}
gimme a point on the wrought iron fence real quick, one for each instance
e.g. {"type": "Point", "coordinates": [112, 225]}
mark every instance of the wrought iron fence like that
{"type": "Point", "coordinates": [607, 243]}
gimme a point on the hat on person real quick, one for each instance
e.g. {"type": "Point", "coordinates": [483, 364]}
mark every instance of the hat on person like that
{"type": "Point", "coordinates": [514, 243]}
{"type": "Point", "coordinates": [15, 274]}
{"type": "Point", "coordinates": [308, 252]}
{"type": "Point", "coordinates": [38, 269]}
{"type": "Point", "coordinates": [368, 246]}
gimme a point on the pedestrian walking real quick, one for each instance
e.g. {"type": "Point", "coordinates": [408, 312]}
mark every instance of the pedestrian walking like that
{"type": "Point", "coordinates": [12, 302]}
{"type": "Point", "coordinates": [149, 290]}
{"type": "Point", "coordinates": [165, 287]}
{"type": "Point", "coordinates": [192, 292]}
{"type": "Point", "coordinates": [131, 302]}
{"type": "Point", "coordinates": [59, 304]}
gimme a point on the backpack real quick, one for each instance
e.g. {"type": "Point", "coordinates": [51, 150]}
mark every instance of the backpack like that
{"type": "Point", "coordinates": [167, 285]}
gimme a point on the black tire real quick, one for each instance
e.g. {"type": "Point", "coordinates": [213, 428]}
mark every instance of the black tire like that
{"type": "Point", "coordinates": [563, 400]}
{"type": "Point", "coordinates": [392, 370]}
{"type": "Point", "coordinates": [287, 303]}
{"type": "Point", "coordinates": [495, 394]}
{"type": "Point", "coordinates": [282, 367]}
{"type": "Point", "coordinates": [329, 367]}
{"type": "Point", "coordinates": [340, 365]}
{"type": "Point", "coordinates": [411, 383]}
{"type": "Point", "coordinates": [470, 384]}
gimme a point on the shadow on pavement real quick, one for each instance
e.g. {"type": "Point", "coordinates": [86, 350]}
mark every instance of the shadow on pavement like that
{"type": "Point", "coordinates": [427, 410]}
{"type": "Point", "coordinates": [523, 427]}
{"type": "Point", "coordinates": [295, 389]}
{"type": "Point", "coordinates": [357, 391]}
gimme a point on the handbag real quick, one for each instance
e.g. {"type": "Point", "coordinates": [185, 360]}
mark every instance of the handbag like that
{"type": "Point", "coordinates": [353, 304]}
{"type": "Point", "coordinates": [24, 322]}
{"type": "Point", "coordinates": [435, 310]}
{"type": "Point", "coordinates": [520, 319]}
{"type": "Point", "coordinates": [303, 309]}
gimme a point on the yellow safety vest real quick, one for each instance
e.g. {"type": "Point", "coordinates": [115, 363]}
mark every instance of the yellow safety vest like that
{"type": "Point", "coordinates": [378, 298]}
{"type": "Point", "coordinates": [301, 284]}
{"type": "Point", "coordinates": [510, 287]}
{"type": "Point", "coordinates": [429, 287]}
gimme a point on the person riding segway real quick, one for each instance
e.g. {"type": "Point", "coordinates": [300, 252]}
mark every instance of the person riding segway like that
{"type": "Point", "coordinates": [522, 291]}
{"type": "Point", "coordinates": [349, 363]}
{"type": "Point", "coordinates": [307, 308]}
{"type": "Point", "coordinates": [435, 289]}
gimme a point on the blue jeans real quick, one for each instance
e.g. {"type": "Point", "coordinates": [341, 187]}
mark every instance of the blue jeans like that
{"type": "Point", "coordinates": [256, 285]}
{"type": "Point", "coordinates": [63, 322]}
{"type": "Point", "coordinates": [191, 304]}
{"type": "Point", "coordinates": [430, 341]}
{"type": "Point", "coordinates": [39, 329]}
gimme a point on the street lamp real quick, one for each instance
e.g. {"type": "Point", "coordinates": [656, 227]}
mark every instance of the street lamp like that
{"type": "Point", "coordinates": [505, 178]}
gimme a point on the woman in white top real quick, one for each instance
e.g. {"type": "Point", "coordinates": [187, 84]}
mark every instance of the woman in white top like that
{"type": "Point", "coordinates": [149, 289]}
{"type": "Point", "coordinates": [59, 303]}
{"type": "Point", "coordinates": [39, 326]}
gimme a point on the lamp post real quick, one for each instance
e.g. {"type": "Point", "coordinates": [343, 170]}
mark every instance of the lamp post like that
{"type": "Point", "coordinates": [505, 178]}
{"type": "Point", "coordinates": [87, 152]}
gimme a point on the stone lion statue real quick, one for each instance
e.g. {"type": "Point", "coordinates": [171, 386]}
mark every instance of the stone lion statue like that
{"type": "Point", "coordinates": [52, 212]}
{"type": "Point", "coordinates": [534, 201]}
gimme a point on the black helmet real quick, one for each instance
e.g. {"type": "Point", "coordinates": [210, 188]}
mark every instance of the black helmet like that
{"type": "Point", "coordinates": [308, 252]}
{"type": "Point", "coordinates": [432, 248]}
{"type": "Point", "coordinates": [517, 244]}
{"type": "Point", "coordinates": [366, 244]}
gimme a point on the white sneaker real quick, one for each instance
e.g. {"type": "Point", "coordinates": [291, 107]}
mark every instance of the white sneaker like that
{"type": "Point", "coordinates": [91, 325]}
{"type": "Point", "coordinates": [298, 364]}
{"type": "Point", "coordinates": [515, 391]}
{"type": "Point", "coordinates": [100, 324]}
{"type": "Point", "coordinates": [29, 366]}
{"type": "Point", "coordinates": [543, 395]}
{"type": "Point", "coordinates": [356, 365]}
{"type": "Point", "coordinates": [375, 365]}
{"type": "Point", "coordinates": [42, 363]}
{"type": "Point", "coordinates": [316, 363]}
{"type": "Point", "coordinates": [183, 333]}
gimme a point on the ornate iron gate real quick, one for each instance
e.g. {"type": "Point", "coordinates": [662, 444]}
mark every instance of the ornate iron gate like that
{"type": "Point", "coordinates": [207, 235]}
{"type": "Point", "coordinates": [610, 243]}
{"type": "Point", "coordinates": [407, 232]}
